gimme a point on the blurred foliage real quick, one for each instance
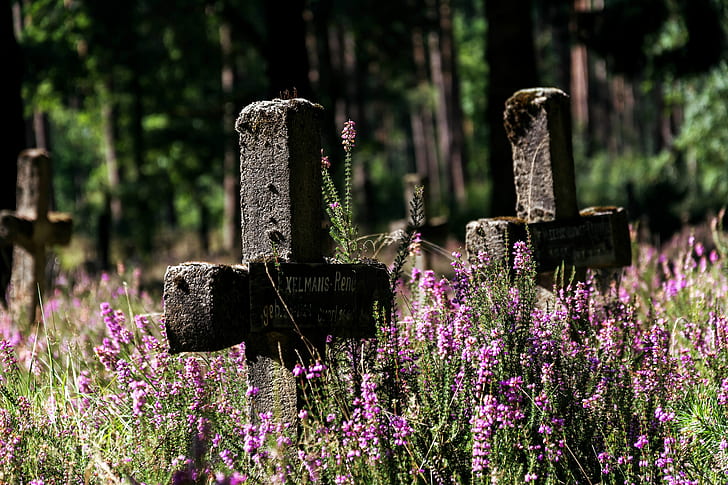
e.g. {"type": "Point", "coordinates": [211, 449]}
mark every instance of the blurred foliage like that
{"type": "Point", "coordinates": [703, 139]}
{"type": "Point", "coordinates": [157, 64]}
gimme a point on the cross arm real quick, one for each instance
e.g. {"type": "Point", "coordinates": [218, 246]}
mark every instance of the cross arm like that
{"type": "Point", "coordinates": [206, 306]}
{"type": "Point", "coordinates": [28, 233]}
{"type": "Point", "coordinates": [598, 238]}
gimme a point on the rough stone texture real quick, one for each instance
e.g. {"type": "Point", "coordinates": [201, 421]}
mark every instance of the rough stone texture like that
{"type": "Point", "coordinates": [210, 307]}
{"type": "Point", "coordinates": [31, 228]}
{"type": "Point", "coordinates": [280, 187]}
{"type": "Point", "coordinates": [598, 239]}
{"type": "Point", "coordinates": [206, 306]}
{"type": "Point", "coordinates": [276, 389]}
{"type": "Point", "coordinates": [538, 125]}
{"type": "Point", "coordinates": [494, 237]}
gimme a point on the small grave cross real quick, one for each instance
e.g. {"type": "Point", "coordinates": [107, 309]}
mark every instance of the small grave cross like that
{"type": "Point", "coordinates": [31, 229]}
{"type": "Point", "coordinates": [284, 298]}
{"type": "Point", "coordinates": [538, 125]}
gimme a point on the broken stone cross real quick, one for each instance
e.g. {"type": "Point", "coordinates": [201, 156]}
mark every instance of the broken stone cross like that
{"type": "Point", "coordinates": [31, 229]}
{"type": "Point", "coordinates": [538, 125]}
{"type": "Point", "coordinates": [285, 299]}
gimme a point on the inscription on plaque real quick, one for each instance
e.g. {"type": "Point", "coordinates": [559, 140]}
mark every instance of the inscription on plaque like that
{"type": "Point", "coordinates": [329, 298]}
{"type": "Point", "coordinates": [596, 241]}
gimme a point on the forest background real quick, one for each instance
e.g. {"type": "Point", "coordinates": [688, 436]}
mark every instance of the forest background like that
{"type": "Point", "coordinates": [136, 102]}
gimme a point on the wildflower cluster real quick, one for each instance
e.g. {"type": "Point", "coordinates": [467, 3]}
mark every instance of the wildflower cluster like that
{"type": "Point", "coordinates": [470, 381]}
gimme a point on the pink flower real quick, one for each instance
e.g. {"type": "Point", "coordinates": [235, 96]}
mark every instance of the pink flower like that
{"type": "Point", "coordinates": [641, 442]}
{"type": "Point", "coordinates": [348, 136]}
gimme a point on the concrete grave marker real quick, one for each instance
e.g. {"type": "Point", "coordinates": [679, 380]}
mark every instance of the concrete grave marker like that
{"type": "Point", "coordinates": [538, 125]}
{"type": "Point", "coordinates": [32, 229]}
{"type": "Point", "coordinates": [285, 298]}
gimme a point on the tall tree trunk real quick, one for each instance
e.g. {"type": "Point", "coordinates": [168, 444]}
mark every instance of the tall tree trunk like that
{"type": "Point", "coordinates": [441, 118]}
{"type": "Point", "coordinates": [579, 82]}
{"type": "Point", "coordinates": [231, 167]}
{"type": "Point", "coordinates": [14, 127]}
{"type": "Point", "coordinates": [113, 173]}
{"type": "Point", "coordinates": [327, 90]}
{"type": "Point", "coordinates": [285, 52]}
{"type": "Point", "coordinates": [511, 60]}
{"type": "Point", "coordinates": [145, 215]}
{"type": "Point", "coordinates": [454, 141]}
{"type": "Point", "coordinates": [599, 104]}
{"type": "Point", "coordinates": [423, 128]}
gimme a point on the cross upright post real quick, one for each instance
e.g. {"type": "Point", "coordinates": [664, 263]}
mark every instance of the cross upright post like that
{"type": "Point", "coordinates": [284, 299]}
{"type": "Point", "coordinates": [31, 229]}
{"type": "Point", "coordinates": [538, 125]}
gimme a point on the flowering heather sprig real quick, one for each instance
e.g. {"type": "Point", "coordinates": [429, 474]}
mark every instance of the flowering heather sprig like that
{"type": "Point", "coordinates": [340, 209]}
{"type": "Point", "coordinates": [193, 377]}
{"type": "Point", "coordinates": [312, 372]}
{"type": "Point", "coordinates": [139, 397]}
{"type": "Point", "coordinates": [522, 260]}
{"type": "Point", "coordinates": [115, 323]}
{"type": "Point", "coordinates": [348, 136]}
{"type": "Point", "coordinates": [363, 433]}
{"type": "Point", "coordinates": [415, 247]}
{"type": "Point", "coordinates": [723, 392]}
{"type": "Point", "coordinates": [325, 163]}
{"type": "Point", "coordinates": [7, 359]}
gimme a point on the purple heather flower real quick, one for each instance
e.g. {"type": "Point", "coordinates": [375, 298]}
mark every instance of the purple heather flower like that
{"type": "Point", "coordinates": [315, 370]}
{"type": "Point", "coordinates": [7, 356]}
{"type": "Point", "coordinates": [194, 378]}
{"type": "Point", "coordinates": [139, 397]}
{"type": "Point", "coordinates": [107, 353]}
{"type": "Point", "coordinates": [641, 441]}
{"type": "Point", "coordinates": [114, 321]}
{"type": "Point", "coordinates": [663, 416]}
{"type": "Point", "coordinates": [348, 136]}
{"type": "Point", "coordinates": [228, 458]}
{"type": "Point", "coordinates": [521, 257]}
{"type": "Point", "coordinates": [723, 392]}
{"type": "Point", "coordinates": [402, 430]}
{"type": "Point", "coordinates": [416, 245]}
{"type": "Point", "coordinates": [83, 382]}
{"type": "Point", "coordinates": [235, 479]}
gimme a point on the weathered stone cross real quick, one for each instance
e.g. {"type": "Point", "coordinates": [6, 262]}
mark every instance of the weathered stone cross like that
{"type": "Point", "coordinates": [538, 125]}
{"type": "Point", "coordinates": [31, 228]}
{"type": "Point", "coordinates": [284, 300]}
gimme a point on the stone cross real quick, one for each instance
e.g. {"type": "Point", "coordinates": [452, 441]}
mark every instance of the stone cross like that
{"type": "Point", "coordinates": [538, 125]}
{"type": "Point", "coordinates": [31, 229]}
{"type": "Point", "coordinates": [285, 299]}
